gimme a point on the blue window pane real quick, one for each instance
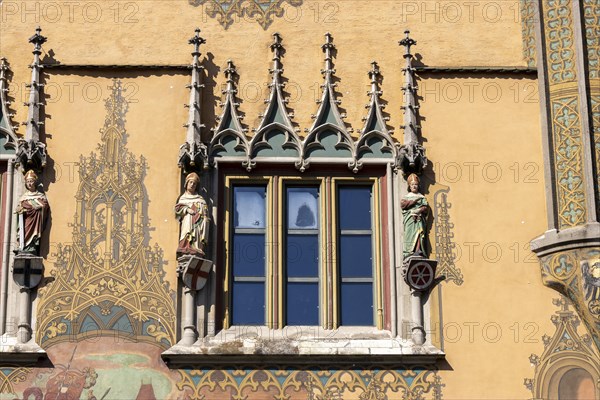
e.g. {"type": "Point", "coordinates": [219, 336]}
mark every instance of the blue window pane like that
{"type": "Point", "coordinates": [303, 208]}
{"type": "Point", "coordinates": [249, 207]}
{"type": "Point", "coordinates": [356, 256]}
{"type": "Point", "coordinates": [302, 306]}
{"type": "Point", "coordinates": [354, 207]}
{"type": "Point", "coordinates": [248, 255]}
{"type": "Point", "coordinates": [302, 256]}
{"type": "Point", "coordinates": [248, 303]}
{"type": "Point", "coordinates": [357, 304]}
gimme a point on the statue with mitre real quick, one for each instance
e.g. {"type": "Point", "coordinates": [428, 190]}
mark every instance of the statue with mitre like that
{"type": "Point", "coordinates": [32, 211]}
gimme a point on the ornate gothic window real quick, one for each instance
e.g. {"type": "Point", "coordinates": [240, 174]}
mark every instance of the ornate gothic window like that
{"type": "Point", "coordinates": [302, 252]}
{"type": "Point", "coordinates": [307, 234]}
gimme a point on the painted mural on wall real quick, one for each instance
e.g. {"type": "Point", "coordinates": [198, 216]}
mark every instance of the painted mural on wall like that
{"type": "Point", "coordinates": [110, 281]}
{"type": "Point", "coordinates": [104, 368]}
{"type": "Point", "coordinates": [569, 367]}
{"type": "Point", "coordinates": [445, 247]}
{"type": "Point", "coordinates": [261, 11]}
{"type": "Point", "coordinates": [95, 376]}
{"type": "Point", "coordinates": [576, 275]}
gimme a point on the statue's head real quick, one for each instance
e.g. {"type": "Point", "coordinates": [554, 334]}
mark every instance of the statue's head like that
{"type": "Point", "coordinates": [192, 182]}
{"type": "Point", "coordinates": [30, 180]}
{"type": "Point", "coordinates": [413, 183]}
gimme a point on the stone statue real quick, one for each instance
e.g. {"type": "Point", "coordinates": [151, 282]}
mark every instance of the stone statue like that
{"type": "Point", "coordinates": [414, 214]}
{"type": "Point", "coordinates": [32, 211]}
{"type": "Point", "coordinates": [192, 212]}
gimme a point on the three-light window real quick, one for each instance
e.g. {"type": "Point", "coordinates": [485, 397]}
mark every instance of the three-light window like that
{"type": "Point", "coordinates": [301, 252]}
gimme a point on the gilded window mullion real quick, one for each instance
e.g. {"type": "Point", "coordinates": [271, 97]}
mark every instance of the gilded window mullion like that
{"type": "Point", "coordinates": [332, 275]}
{"type": "Point", "coordinates": [324, 255]}
{"type": "Point", "coordinates": [375, 230]}
{"type": "Point", "coordinates": [227, 258]}
{"type": "Point", "coordinates": [279, 273]}
{"type": "Point", "coordinates": [270, 235]}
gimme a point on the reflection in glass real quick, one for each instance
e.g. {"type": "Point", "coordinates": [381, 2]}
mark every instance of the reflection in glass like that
{"type": "Point", "coordinates": [303, 210]}
{"type": "Point", "coordinates": [302, 256]}
{"type": "Point", "coordinates": [249, 207]}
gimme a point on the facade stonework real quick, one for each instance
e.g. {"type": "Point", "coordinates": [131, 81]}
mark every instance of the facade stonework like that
{"type": "Point", "coordinates": [303, 121]}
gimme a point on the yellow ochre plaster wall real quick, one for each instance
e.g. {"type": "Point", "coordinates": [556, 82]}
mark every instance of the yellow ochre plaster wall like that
{"type": "Point", "coordinates": [481, 132]}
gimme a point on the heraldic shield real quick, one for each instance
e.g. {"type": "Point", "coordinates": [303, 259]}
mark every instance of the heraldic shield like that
{"type": "Point", "coordinates": [194, 271]}
{"type": "Point", "coordinates": [28, 270]}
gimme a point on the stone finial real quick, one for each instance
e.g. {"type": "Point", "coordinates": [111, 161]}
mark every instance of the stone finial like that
{"type": "Point", "coordinates": [31, 153]}
{"type": "Point", "coordinates": [276, 101]}
{"type": "Point", "coordinates": [193, 153]}
{"type": "Point", "coordinates": [375, 121]}
{"type": "Point", "coordinates": [327, 47]}
{"type": "Point", "coordinates": [412, 158]}
{"type": "Point", "coordinates": [229, 118]}
{"type": "Point", "coordinates": [407, 42]}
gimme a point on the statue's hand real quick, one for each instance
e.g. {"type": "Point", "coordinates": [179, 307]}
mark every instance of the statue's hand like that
{"type": "Point", "coordinates": [190, 211]}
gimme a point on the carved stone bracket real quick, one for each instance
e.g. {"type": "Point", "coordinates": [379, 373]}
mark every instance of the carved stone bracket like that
{"type": "Point", "coordinates": [411, 158]}
{"type": "Point", "coordinates": [31, 154]}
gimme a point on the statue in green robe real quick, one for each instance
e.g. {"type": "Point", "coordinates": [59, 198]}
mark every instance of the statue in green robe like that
{"type": "Point", "coordinates": [414, 214]}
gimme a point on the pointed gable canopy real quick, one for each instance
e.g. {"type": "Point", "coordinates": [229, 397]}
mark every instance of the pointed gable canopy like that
{"type": "Point", "coordinates": [275, 136]}
{"type": "Point", "coordinates": [328, 138]}
{"type": "Point", "coordinates": [375, 142]}
{"type": "Point", "coordinates": [229, 139]}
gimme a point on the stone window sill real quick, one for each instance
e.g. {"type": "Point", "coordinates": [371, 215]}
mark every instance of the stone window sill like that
{"type": "Point", "coordinates": [11, 351]}
{"type": "Point", "coordinates": [300, 344]}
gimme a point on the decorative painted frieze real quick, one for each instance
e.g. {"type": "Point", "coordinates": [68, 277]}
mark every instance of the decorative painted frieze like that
{"type": "Point", "coordinates": [569, 251]}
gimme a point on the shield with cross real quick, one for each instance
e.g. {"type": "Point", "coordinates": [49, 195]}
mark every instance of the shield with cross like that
{"type": "Point", "coordinates": [28, 271]}
{"type": "Point", "coordinates": [194, 271]}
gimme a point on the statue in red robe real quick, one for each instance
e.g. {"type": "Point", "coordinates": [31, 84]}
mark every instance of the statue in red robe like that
{"type": "Point", "coordinates": [32, 210]}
